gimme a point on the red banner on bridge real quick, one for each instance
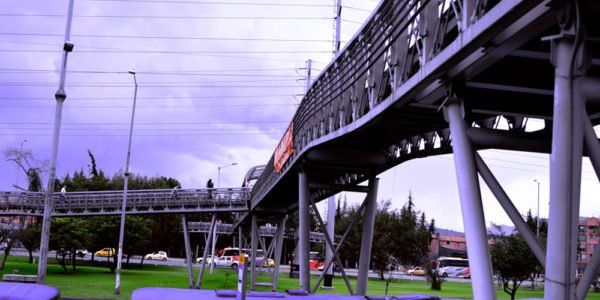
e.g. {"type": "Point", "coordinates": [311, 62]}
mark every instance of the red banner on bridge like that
{"type": "Point", "coordinates": [285, 149]}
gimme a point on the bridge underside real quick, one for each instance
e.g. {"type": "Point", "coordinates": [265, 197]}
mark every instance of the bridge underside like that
{"type": "Point", "coordinates": [507, 73]}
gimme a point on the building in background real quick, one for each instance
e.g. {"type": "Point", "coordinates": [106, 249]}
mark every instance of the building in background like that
{"type": "Point", "coordinates": [589, 234]}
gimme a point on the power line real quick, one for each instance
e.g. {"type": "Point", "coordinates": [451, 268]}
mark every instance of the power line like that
{"type": "Point", "coordinates": [357, 9]}
{"type": "Point", "coordinates": [166, 37]}
{"type": "Point", "coordinates": [151, 106]}
{"type": "Point", "coordinates": [161, 51]}
{"type": "Point", "coordinates": [219, 3]}
{"type": "Point", "coordinates": [151, 86]}
{"type": "Point", "coordinates": [168, 17]}
{"type": "Point", "coordinates": [150, 98]}
{"type": "Point", "coordinates": [258, 130]}
{"type": "Point", "coordinates": [151, 72]}
{"type": "Point", "coordinates": [351, 21]}
{"type": "Point", "coordinates": [146, 123]}
{"type": "Point", "coordinates": [152, 135]}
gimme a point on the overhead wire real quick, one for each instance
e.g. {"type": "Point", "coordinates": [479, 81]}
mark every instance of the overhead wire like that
{"type": "Point", "coordinates": [151, 98]}
{"type": "Point", "coordinates": [287, 18]}
{"type": "Point", "coordinates": [166, 37]}
{"type": "Point", "coordinates": [219, 3]}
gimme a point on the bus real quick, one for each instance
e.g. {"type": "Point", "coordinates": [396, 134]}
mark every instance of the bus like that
{"type": "Point", "coordinates": [452, 266]}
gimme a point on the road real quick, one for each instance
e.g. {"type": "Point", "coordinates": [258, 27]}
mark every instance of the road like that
{"type": "Point", "coordinates": [285, 269]}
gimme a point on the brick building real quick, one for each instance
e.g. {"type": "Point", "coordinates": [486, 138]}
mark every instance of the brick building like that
{"type": "Point", "coordinates": [589, 235]}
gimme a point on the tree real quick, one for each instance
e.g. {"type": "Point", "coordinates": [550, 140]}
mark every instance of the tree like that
{"type": "Point", "coordinates": [30, 238]}
{"type": "Point", "coordinates": [8, 236]}
{"type": "Point", "coordinates": [383, 239]}
{"type": "Point", "coordinates": [513, 262]}
{"type": "Point", "coordinates": [68, 236]}
{"type": "Point", "coordinates": [29, 164]}
{"type": "Point", "coordinates": [93, 169]}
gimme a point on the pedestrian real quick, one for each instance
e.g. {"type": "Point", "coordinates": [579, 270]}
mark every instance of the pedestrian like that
{"type": "Point", "coordinates": [210, 185]}
{"type": "Point", "coordinates": [63, 192]}
{"type": "Point", "coordinates": [174, 191]}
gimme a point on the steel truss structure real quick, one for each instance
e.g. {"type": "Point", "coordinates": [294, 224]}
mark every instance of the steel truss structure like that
{"type": "Point", "coordinates": [138, 202]}
{"type": "Point", "coordinates": [424, 78]}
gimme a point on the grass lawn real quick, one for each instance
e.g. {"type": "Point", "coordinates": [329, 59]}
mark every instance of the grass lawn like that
{"type": "Point", "coordinates": [97, 282]}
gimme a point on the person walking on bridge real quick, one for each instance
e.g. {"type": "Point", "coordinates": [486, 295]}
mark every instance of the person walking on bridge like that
{"type": "Point", "coordinates": [210, 185]}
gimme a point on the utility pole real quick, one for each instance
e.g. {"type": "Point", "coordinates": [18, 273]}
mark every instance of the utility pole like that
{"type": "Point", "coordinates": [337, 27]}
{"type": "Point", "coordinates": [60, 97]}
{"type": "Point", "coordinates": [308, 70]}
{"type": "Point", "coordinates": [328, 283]}
{"type": "Point", "coordinates": [537, 225]}
{"type": "Point", "coordinates": [125, 184]}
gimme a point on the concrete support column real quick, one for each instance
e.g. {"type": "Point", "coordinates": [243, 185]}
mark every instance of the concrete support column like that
{"type": "Point", "coordinates": [367, 237]}
{"type": "Point", "coordinates": [565, 176]}
{"type": "Point", "coordinates": [188, 250]}
{"type": "Point", "coordinates": [304, 231]}
{"type": "Point", "coordinates": [470, 202]}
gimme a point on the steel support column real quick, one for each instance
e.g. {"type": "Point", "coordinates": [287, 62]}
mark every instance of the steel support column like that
{"type": "Point", "coordinates": [212, 248]}
{"type": "Point", "coordinates": [331, 231]}
{"type": "Point", "coordinates": [253, 246]}
{"type": "Point", "coordinates": [565, 177]}
{"type": "Point", "coordinates": [328, 263]}
{"type": "Point", "coordinates": [510, 209]}
{"type": "Point", "coordinates": [278, 248]}
{"type": "Point", "coordinates": [206, 247]}
{"type": "Point", "coordinates": [304, 231]}
{"type": "Point", "coordinates": [593, 149]}
{"type": "Point", "coordinates": [470, 200]}
{"type": "Point", "coordinates": [188, 250]}
{"type": "Point", "coordinates": [329, 244]}
{"type": "Point", "coordinates": [367, 237]}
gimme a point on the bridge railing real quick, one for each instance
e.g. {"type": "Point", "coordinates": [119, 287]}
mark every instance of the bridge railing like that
{"type": "Point", "coordinates": [90, 202]}
{"type": "Point", "coordinates": [398, 39]}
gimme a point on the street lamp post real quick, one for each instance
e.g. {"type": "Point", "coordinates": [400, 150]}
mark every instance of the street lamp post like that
{"type": "Point", "coordinates": [60, 96]}
{"type": "Point", "coordinates": [214, 236]}
{"type": "Point", "coordinates": [219, 172]}
{"type": "Point", "coordinates": [125, 183]}
{"type": "Point", "coordinates": [537, 225]}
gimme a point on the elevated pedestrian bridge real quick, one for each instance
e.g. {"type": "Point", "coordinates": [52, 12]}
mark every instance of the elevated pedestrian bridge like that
{"type": "Point", "coordinates": [95, 203]}
{"type": "Point", "coordinates": [379, 102]}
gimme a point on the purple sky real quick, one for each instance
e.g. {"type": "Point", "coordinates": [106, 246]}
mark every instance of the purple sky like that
{"type": "Point", "coordinates": [203, 102]}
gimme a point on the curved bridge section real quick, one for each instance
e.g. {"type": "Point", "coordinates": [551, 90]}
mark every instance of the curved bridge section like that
{"type": "Point", "coordinates": [379, 102]}
{"type": "Point", "coordinates": [138, 202]}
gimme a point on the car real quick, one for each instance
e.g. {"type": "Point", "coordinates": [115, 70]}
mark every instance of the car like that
{"type": "Point", "coordinates": [265, 263]}
{"type": "Point", "coordinates": [452, 271]}
{"type": "Point", "coordinates": [226, 262]}
{"type": "Point", "coordinates": [467, 273]}
{"type": "Point", "coordinates": [106, 252]}
{"type": "Point", "coordinates": [208, 259]}
{"type": "Point", "coordinates": [79, 253]}
{"type": "Point", "coordinates": [336, 268]}
{"type": "Point", "coordinates": [157, 255]}
{"type": "Point", "coordinates": [416, 271]}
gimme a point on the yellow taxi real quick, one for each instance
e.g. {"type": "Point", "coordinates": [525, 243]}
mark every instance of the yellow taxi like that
{"type": "Point", "coordinates": [106, 252]}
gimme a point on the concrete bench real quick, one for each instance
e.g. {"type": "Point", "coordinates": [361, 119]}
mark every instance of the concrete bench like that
{"type": "Point", "coordinates": [19, 278]}
{"type": "Point", "coordinates": [27, 291]}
